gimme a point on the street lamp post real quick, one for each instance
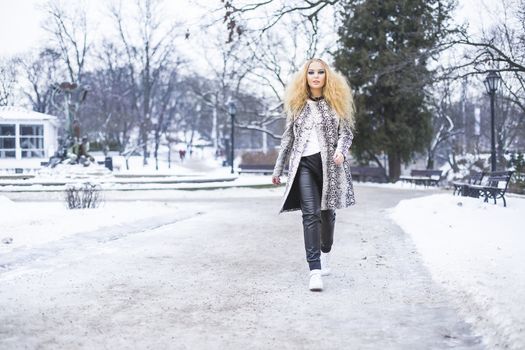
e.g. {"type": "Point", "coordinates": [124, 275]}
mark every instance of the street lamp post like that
{"type": "Point", "coordinates": [492, 82]}
{"type": "Point", "coordinates": [232, 110]}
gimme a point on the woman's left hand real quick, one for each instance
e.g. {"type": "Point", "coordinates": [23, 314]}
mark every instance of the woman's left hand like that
{"type": "Point", "coordinates": [338, 158]}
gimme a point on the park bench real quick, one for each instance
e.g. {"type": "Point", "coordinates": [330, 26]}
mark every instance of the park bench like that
{"type": "Point", "coordinates": [368, 173]}
{"type": "Point", "coordinates": [265, 169]}
{"type": "Point", "coordinates": [16, 176]}
{"type": "Point", "coordinates": [423, 177]}
{"type": "Point", "coordinates": [495, 187]}
{"type": "Point", "coordinates": [461, 187]}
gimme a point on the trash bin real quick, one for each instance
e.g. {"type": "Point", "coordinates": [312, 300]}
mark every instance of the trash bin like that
{"type": "Point", "coordinates": [108, 163]}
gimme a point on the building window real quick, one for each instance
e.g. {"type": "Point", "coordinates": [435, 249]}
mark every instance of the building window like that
{"type": "Point", "coordinates": [32, 141]}
{"type": "Point", "coordinates": [7, 141]}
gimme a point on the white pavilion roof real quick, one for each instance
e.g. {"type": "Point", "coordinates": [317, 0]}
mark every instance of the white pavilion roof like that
{"type": "Point", "coordinates": [10, 113]}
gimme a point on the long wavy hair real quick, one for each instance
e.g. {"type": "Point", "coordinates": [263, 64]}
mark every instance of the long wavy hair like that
{"type": "Point", "coordinates": [336, 92]}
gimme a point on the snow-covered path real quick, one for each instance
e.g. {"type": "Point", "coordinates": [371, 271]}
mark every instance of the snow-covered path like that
{"type": "Point", "coordinates": [231, 274]}
{"type": "Point", "coordinates": [475, 250]}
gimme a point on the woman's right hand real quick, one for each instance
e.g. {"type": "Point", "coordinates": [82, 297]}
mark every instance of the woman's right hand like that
{"type": "Point", "coordinates": [276, 180]}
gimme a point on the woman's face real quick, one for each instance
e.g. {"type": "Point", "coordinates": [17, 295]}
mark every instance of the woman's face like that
{"type": "Point", "coordinates": [316, 75]}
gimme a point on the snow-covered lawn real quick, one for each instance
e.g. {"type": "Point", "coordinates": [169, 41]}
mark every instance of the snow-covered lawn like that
{"type": "Point", "coordinates": [216, 179]}
{"type": "Point", "coordinates": [29, 224]}
{"type": "Point", "coordinates": [35, 223]}
{"type": "Point", "coordinates": [400, 185]}
{"type": "Point", "coordinates": [477, 251]}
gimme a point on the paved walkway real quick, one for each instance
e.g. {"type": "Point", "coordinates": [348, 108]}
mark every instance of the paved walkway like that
{"type": "Point", "coordinates": [233, 276]}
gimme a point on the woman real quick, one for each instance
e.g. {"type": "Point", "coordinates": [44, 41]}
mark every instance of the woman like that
{"type": "Point", "coordinates": [318, 134]}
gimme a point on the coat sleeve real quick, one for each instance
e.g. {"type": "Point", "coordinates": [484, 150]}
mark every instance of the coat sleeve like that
{"type": "Point", "coordinates": [286, 146]}
{"type": "Point", "coordinates": [345, 137]}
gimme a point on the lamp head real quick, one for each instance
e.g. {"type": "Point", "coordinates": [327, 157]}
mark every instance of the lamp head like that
{"type": "Point", "coordinates": [232, 108]}
{"type": "Point", "coordinates": [492, 82]}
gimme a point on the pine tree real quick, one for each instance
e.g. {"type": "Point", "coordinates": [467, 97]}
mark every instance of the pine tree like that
{"type": "Point", "coordinates": [384, 48]}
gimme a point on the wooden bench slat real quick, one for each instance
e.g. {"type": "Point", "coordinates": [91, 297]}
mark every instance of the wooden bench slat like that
{"type": "Point", "coordinates": [460, 187]}
{"type": "Point", "coordinates": [368, 173]}
{"type": "Point", "coordinates": [424, 176]}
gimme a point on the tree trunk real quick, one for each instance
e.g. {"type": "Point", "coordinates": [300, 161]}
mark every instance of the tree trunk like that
{"type": "Point", "coordinates": [501, 161]}
{"type": "Point", "coordinates": [394, 166]}
{"type": "Point", "coordinates": [124, 140]}
{"type": "Point", "coordinates": [452, 162]}
{"type": "Point", "coordinates": [144, 138]}
{"type": "Point", "coordinates": [430, 160]}
{"type": "Point", "coordinates": [375, 159]}
{"type": "Point", "coordinates": [157, 144]}
{"type": "Point", "coordinates": [169, 155]}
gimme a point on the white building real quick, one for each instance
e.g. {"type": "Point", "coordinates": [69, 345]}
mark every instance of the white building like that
{"type": "Point", "coordinates": [26, 138]}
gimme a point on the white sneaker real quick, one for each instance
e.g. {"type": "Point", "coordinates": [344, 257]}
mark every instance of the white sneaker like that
{"type": "Point", "coordinates": [325, 264]}
{"type": "Point", "coordinates": [316, 281]}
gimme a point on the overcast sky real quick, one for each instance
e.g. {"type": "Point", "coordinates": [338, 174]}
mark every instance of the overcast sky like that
{"type": "Point", "coordinates": [20, 20]}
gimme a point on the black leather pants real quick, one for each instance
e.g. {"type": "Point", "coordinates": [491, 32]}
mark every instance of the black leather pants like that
{"type": "Point", "coordinates": [318, 225]}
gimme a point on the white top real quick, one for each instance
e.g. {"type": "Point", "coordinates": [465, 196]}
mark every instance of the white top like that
{"type": "Point", "coordinates": [312, 144]}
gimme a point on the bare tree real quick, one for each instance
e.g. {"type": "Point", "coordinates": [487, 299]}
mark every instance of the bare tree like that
{"type": "Point", "coordinates": [235, 17]}
{"type": "Point", "coordinates": [69, 31]}
{"type": "Point", "coordinates": [501, 48]}
{"type": "Point", "coordinates": [253, 70]}
{"type": "Point", "coordinates": [274, 58]}
{"type": "Point", "coordinates": [148, 45]}
{"type": "Point", "coordinates": [41, 72]}
{"type": "Point", "coordinates": [443, 126]}
{"type": "Point", "coordinates": [8, 73]}
{"type": "Point", "coordinates": [111, 116]}
{"type": "Point", "coordinates": [510, 124]}
{"type": "Point", "coordinates": [229, 69]}
{"type": "Point", "coordinates": [165, 106]}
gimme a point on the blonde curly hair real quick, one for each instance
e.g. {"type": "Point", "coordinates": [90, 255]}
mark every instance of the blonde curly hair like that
{"type": "Point", "coordinates": [336, 92]}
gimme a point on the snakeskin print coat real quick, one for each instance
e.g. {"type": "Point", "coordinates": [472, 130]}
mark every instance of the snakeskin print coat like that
{"type": "Point", "coordinates": [334, 135]}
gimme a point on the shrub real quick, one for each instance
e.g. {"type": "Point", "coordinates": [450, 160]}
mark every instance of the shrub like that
{"type": "Point", "coordinates": [82, 196]}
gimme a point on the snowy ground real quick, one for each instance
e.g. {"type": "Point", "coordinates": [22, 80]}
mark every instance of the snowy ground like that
{"type": "Point", "coordinates": [156, 266]}
{"type": "Point", "coordinates": [219, 269]}
{"type": "Point", "coordinates": [216, 180]}
{"type": "Point", "coordinates": [195, 172]}
{"type": "Point", "coordinates": [29, 225]}
{"type": "Point", "coordinates": [476, 251]}
{"type": "Point", "coordinates": [399, 185]}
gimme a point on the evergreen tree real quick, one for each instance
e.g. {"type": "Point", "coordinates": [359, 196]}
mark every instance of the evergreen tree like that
{"type": "Point", "coordinates": [384, 48]}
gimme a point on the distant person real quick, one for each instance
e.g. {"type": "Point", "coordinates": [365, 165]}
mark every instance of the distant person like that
{"type": "Point", "coordinates": [320, 117]}
{"type": "Point", "coordinates": [182, 155]}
